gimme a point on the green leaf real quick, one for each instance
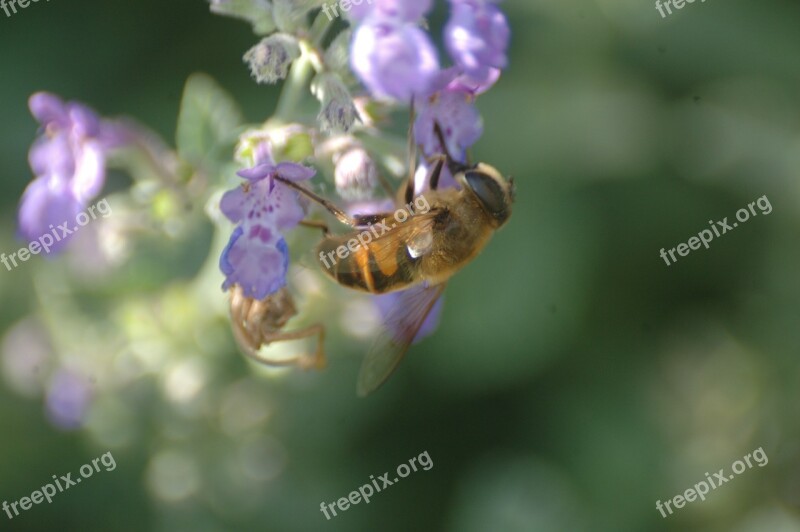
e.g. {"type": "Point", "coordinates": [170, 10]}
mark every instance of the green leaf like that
{"type": "Point", "coordinates": [256, 12]}
{"type": "Point", "coordinates": [208, 124]}
{"type": "Point", "coordinates": [297, 148]}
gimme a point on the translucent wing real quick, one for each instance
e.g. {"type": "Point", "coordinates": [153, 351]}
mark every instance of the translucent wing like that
{"type": "Point", "coordinates": [398, 331]}
{"type": "Point", "coordinates": [416, 234]}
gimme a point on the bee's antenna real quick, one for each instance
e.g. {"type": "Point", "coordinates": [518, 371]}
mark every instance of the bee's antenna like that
{"type": "Point", "coordinates": [333, 209]}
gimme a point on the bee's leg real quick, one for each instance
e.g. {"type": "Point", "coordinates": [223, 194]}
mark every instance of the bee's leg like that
{"type": "Point", "coordinates": [438, 164]}
{"type": "Point", "coordinates": [316, 224]}
{"type": "Point", "coordinates": [365, 220]}
{"type": "Point", "coordinates": [333, 209]}
{"type": "Point", "coordinates": [246, 341]}
{"type": "Point", "coordinates": [304, 361]}
{"type": "Point", "coordinates": [437, 129]}
{"type": "Point", "coordinates": [453, 165]}
{"type": "Point", "coordinates": [432, 178]}
{"type": "Point", "coordinates": [412, 156]}
{"type": "Point", "coordinates": [241, 309]}
{"type": "Point", "coordinates": [409, 194]}
{"type": "Point", "coordinates": [436, 171]}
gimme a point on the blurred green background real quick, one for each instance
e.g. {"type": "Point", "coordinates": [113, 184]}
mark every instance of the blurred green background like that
{"type": "Point", "coordinates": [575, 378]}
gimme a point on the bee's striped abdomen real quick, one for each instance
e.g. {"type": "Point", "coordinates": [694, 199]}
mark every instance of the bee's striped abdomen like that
{"type": "Point", "coordinates": [361, 269]}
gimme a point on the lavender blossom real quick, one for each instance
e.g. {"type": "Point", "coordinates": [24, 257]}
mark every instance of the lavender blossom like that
{"type": "Point", "coordinates": [257, 256]}
{"type": "Point", "coordinates": [405, 10]}
{"type": "Point", "coordinates": [477, 37]}
{"type": "Point", "coordinates": [68, 399]}
{"type": "Point", "coordinates": [458, 118]}
{"type": "Point", "coordinates": [454, 79]}
{"type": "Point", "coordinates": [356, 174]}
{"type": "Point", "coordinates": [394, 59]}
{"type": "Point", "coordinates": [68, 160]}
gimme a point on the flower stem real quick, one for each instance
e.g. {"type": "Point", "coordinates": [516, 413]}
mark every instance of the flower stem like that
{"type": "Point", "coordinates": [319, 29]}
{"type": "Point", "coordinates": [295, 87]}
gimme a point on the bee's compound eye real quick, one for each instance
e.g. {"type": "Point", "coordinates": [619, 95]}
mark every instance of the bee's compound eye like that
{"type": "Point", "coordinates": [489, 192]}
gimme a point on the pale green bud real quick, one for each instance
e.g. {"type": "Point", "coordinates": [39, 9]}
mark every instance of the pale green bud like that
{"type": "Point", "coordinates": [338, 113]}
{"type": "Point", "coordinates": [270, 59]}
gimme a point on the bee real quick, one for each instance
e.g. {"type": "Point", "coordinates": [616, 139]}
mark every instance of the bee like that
{"type": "Point", "coordinates": [257, 323]}
{"type": "Point", "coordinates": [415, 257]}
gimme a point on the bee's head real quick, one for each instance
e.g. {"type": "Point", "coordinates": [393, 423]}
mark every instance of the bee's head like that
{"type": "Point", "coordinates": [494, 193]}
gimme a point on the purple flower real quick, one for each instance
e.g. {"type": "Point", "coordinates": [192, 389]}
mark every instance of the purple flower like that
{"type": "Point", "coordinates": [394, 60]}
{"type": "Point", "coordinates": [405, 10]}
{"type": "Point", "coordinates": [477, 37]}
{"type": "Point", "coordinates": [421, 178]}
{"type": "Point", "coordinates": [68, 160]}
{"type": "Point", "coordinates": [355, 174]}
{"type": "Point", "coordinates": [257, 257]}
{"type": "Point", "coordinates": [454, 79]}
{"type": "Point", "coordinates": [458, 118]}
{"type": "Point", "coordinates": [68, 399]}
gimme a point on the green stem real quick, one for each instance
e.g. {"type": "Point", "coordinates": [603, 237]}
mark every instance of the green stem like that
{"type": "Point", "coordinates": [294, 90]}
{"type": "Point", "coordinates": [319, 29]}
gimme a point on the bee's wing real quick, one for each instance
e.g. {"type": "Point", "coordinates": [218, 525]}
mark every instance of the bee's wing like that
{"type": "Point", "coordinates": [398, 331]}
{"type": "Point", "coordinates": [415, 234]}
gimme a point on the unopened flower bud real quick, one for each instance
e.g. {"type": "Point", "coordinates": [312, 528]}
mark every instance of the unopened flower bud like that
{"type": "Point", "coordinates": [270, 59]}
{"type": "Point", "coordinates": [338, 113]}
{"type": "Point", "coordinates": [356, 174]}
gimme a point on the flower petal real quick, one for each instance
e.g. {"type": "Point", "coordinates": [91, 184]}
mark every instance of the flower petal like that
{"type": "Point", "coordinates": [477, 36]}
{"type": "Point", "coordinates": [295, 172]}
{"type": "Point", "coordinates": [259, 268]}
{"type": "Point", "coordinates": [90, 171]}
{"type": "Point", "coordinates": [405, 10]}
{"type": "Point", "coordinates": [52, 157]}
{"type": "Point", "coordinates": [459, 119]}
{"type": "Point", "coordinates": [257, 173]}
{"type": "Point", "coordinates": [84, 121]}
{"type": "Point", "coordinates": [232, 204]}
{"type": "Point", "coordinates": [283, 208]}
{"type": "Point", "coordinates": [394, 60]}
{"type": "Point", "coordinates": [46, 204]}
{"type": "Point", "coordinates": [47, 108]}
